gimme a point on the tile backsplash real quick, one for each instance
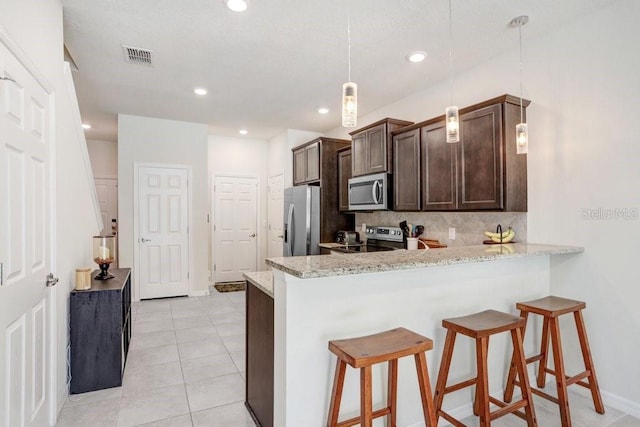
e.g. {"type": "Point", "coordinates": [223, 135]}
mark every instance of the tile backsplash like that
{"type": "Point", "coordinates": [470, 226]}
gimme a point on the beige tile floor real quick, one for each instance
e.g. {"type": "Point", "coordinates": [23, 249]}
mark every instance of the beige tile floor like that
{"type": "Point", "coordinates": [186, 369]}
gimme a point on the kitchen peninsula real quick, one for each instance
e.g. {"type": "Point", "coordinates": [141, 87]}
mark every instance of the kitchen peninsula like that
{"type": "Point", "coordinates": [320, 298]}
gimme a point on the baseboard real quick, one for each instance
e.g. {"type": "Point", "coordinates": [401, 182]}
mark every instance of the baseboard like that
{"type": "Point", "coordinates": [612, 400]}
{"type": "Point", "coordinates": [609, 399]}
{"type": "Point", "coordinates": [199, 293]}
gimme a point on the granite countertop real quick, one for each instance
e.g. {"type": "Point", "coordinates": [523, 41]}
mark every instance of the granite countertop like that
{"type": "Point", "coordinates": [306, 267]}
{"type": "Point", "coordinates": [262, 280]}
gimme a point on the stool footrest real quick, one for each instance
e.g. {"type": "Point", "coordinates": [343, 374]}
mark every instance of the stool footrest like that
{"type": "Point", "coordinates": [356, 420]}
{"type": "Point", "coordinates": [449, 418]}
{"type": "Point", "coordinates": [460, 385]}
{"type": "Point", "coordinates": [534, 358]}
{"type": "Point", "coordinates": [577, 379]}
{"type": "Point", "coordinates": [507, 408]}
{"type": "Point", "coordinates": [539, 392]}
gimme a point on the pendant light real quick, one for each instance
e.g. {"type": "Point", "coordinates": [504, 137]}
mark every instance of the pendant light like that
{"type": "Point", "coordinates": [522, 131]}
{"type": "Point", "coordinates": [452, 119]}
{"type": "Point", "coordinates": [349, 89]}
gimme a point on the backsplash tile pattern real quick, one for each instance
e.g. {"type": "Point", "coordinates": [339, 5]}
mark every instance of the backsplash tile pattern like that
{"type": "Point", "coordinates": [470, 226]}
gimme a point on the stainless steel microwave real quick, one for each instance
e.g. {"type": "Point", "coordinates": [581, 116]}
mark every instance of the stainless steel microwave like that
{"type": "Point", "coordinates": [370, 192]}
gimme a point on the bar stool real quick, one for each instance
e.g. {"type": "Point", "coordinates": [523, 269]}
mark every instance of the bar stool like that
{"type": "Point", "coordinates": [362, 353]}
{"type": "Point", "coordinates": [551, 308]}
{"type": "Point", "coordinates": [480, 326]}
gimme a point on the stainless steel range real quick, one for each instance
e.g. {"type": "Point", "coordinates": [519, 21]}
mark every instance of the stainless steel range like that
{"type": "Point", "coordinates": [379, 238]}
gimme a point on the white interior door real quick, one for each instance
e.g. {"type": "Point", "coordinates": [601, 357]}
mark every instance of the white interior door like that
{"type": "Point", "coordinates": [276, 204]}
{"type": "Point", "coordinates": [235, 227]}
{"type": "Point", "coordinates": [25, 247]}
{"type": "Point", "coordinates": [163, 234]}
{"type": "Point", "coordinates": [107, 192]}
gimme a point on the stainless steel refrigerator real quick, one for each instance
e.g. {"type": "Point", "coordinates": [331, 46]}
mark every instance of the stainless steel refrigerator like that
{"type": "Point", "coordinates": [301, 221]}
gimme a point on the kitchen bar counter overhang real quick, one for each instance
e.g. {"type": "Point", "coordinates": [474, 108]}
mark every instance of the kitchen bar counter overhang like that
{"type": "Point", "coordinates": [307, 267]}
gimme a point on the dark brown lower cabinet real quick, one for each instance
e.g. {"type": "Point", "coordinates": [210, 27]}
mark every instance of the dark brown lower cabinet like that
{"type": "Point", "coordinates": [259, 355]}
{"type": "Point", "coordinates": [100, 332]}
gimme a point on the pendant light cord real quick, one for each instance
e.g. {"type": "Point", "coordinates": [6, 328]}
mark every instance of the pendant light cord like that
{"type": "Point", "coordinates": [521, 73]}
{"type": "Point", "coordinates": [451, 52]}
{"type": "Point", "coordinates": [349, 37]}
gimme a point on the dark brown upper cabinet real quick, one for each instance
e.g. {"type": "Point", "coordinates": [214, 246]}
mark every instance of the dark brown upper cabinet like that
{"type": "Point", "coordinates": [406, 164]}
{"type": "Point", "coordinates": [481, 172]}
{"type": "Point", "coordinates": [371, 147]}
{"type": "Point", "coordinates": [344, 173]}
{"type": "Point", "coordinates": [306, 163]}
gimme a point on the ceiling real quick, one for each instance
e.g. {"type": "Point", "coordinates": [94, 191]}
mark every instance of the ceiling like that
{"type": "Point", "coordinates": [271, 67]}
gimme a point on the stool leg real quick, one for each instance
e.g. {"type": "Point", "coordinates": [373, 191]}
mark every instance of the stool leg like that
{"type": "Point", "coordinates": [521, 367]}
{"type": "Point", "coordinates": [443, 373]}
{"type": "Point", "coordinates": [392, 391]}
{"type": "Point", "coordinates": [544, 352]}
{"type": "Point", "coordinates": [425, 391]}
{"type": "Point", "coordinates": [336, 393]}
{"type": "Point", "coordinates": [588, 362]}
{"type": "Point", "coordinates": [511, 378]}
{"type": "Point", "coordinates": [561, 378]}
{"type": "Point", "coordinates": [366, 401]}
{"type": "Point", "coordinates": [482, 382]}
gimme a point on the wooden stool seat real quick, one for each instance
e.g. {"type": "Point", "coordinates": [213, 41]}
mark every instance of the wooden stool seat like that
{"type": "Point", "coordinates": [362, 353]}
{"type": "Point", "coordinates": [483, 324]}
{"type": "Point", "coordinates": [480, 326]}
{"type": "Point", "coordinates": [550, 308]}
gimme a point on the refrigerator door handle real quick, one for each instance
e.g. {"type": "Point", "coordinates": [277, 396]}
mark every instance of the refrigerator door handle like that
{"type": "Point", "coordinates": [289, 237]}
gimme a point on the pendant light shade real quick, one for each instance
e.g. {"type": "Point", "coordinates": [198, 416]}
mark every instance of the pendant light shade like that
{"type": "Point", "coordinates": [349, 89]}
{"type": "Point", "coordinates": [522, 131]}
{"type": "Point", "coordinates": [453, 124]}
{"type": "Point", "coordinates": [349, 104]}
{"type": "Point", "coordinates": [452, 119]}
{"type": "Point", "coordinates": [522, 138]}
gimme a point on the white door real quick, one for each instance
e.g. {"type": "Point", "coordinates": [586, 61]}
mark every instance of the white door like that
{"type": "Point", "coordinates": [26, 203]}
{"type": "Point", "coordinates": [107, 192]}
{"type": "Point", "coordinates": [163, 235]}
{"type": "Point", "coordinates": [276, 191]}
{"type": "Point", "coordinates": [235, 227]}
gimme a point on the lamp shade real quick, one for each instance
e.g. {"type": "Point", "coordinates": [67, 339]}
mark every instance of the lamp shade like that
{"type": "Point", "coordinates": [349, 104]}
{"type": "Point", "coordinates": [453, 124]}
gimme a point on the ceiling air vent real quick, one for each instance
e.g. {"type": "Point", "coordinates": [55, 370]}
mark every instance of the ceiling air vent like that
{"type": "Point", "coordinates": [137, 55]}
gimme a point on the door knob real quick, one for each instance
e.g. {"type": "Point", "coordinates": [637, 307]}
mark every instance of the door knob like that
{"type": "Point", "coordinates": [252, 235]}
{"type": "Point", "coordinates": [143, 240]}
{"type": "Point", "coordinates": [51, 281]}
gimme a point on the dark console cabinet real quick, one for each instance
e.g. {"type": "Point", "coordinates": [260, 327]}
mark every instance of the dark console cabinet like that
{"type": "Point", "coordinates": [100, 332]}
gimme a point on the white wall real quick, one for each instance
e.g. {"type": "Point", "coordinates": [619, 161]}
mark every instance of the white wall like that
{"type": "Point", "coordinates": [242, 157]}
{"type": "Point", "coordinates": [149, 140]}
{"type": "Point", "coordinates": [36, 26]}
{"type": "Point", "coordinates": [104, 158]}
{"type": "Point", "coordinates": [583, 154]}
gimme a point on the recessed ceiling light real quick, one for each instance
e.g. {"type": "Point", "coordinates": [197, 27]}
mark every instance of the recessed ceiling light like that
{"type": "Point", "coordinates": [323, 110]}
{"type": "Point", "coordinates": [417, 56]}
{"type": "Point", "coordinates": [237, 5]}
{"type": "Point", "coordinates": [200, 91]}
{"type": "Point", "coordinates": [243, 131]}
{"type": "Point", "coordinates": [86, 126]}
